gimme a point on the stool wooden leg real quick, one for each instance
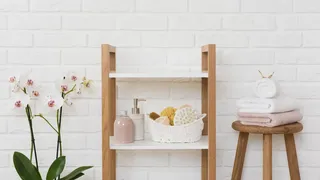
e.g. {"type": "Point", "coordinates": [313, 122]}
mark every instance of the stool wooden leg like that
{"type": "Point", "coordinates": [292, 157]}
{"type": "Point", "coordinates": [240, 156]}
{"type": "Point", "coordinates": [267, 157]}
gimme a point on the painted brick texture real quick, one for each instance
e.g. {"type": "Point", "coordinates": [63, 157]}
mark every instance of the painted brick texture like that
{"type": "Point", "coordinates": [54, 36]}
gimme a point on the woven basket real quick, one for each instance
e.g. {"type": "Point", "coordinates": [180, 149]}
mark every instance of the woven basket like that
{"type": "Point", "coordinates": [177, 134]}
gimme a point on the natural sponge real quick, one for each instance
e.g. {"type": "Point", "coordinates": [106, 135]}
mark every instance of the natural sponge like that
{"type": "Point", "coordinates": [154, 115]}
{"type": "Point", "coordinates": [170, 113]}
{"type": "Point", "coordinates": [163, 120]}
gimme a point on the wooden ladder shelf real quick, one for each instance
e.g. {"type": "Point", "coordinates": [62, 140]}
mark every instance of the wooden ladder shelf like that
{"type": "Point", "coordinates": [208, 93]}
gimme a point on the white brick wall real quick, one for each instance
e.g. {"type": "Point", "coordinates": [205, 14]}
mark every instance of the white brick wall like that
{"type": "Point", "coordinates": [60, 39]}
{"type": "Point", "coordinates": [255, 22]}
{"type": "Point", "coordinates": [55, 5]}
{"type": "Point", "coordinates": [16, 39]}
{"type": "Point", "coordinates": [167, 39]}
{"type": "Point", "coordinates": [15, 5]}
{"type": "Point", "coordinates": [34, 22]}
{"type": "Point", "coordinates": [142, 22]}
{"type": "Point", "coordinates": [272, 6]}
{"type": "Point", "coordinates": [193, 22]}
{"type": "Point", "coordinates": [85, 22]}
{"type": "Point", "coordinates": [54, 36]}
{"type": "Point", "coordinates": [205, 6]}
{"type": "Point", "coordinates": [108, 5]}
{"type": "Point", "coordinates": [161, 6]}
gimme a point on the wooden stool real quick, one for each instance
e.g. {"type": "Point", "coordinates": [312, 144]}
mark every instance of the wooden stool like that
{"type": "Point", "coordinates": [286, 130]}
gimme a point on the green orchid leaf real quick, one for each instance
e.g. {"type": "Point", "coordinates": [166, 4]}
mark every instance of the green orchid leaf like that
{"type": "Point", "coordinates": [76, 172]}
{"type": "Point", "coordinates": [38, 172]}
{"type": "Point", "coordinates": [25, 168]}
{"type": "Point", "coordinates": [56, 168]}
{"type": "Point", "coordinates": [77, 176]}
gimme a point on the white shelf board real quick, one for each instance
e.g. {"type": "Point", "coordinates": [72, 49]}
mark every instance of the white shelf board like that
{"type": "Point", "coordinates": [160, 75]}
{"type": "Point", "coordinates": [149, 144]}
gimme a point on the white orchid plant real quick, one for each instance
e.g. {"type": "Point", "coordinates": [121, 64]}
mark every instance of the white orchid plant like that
{"type": "Point", "coordinates": [25, 89]}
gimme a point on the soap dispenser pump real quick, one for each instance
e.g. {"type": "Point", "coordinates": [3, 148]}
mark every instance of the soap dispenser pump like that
{"type": "Point", "coordinates": [138, 120]}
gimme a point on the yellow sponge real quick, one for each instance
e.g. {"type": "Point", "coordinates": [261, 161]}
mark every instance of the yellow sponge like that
{"type": "Point", "coordinates": [170, 113]}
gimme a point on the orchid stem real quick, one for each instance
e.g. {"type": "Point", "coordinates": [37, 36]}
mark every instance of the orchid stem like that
{"type": "Point", "coordinates": [34, 149]}
{"type": "Point", "coordinates": [31, 152]}
{"type": "Point", "coordinates": [74, 86]}
{"type": "Point", "coordinates": [59, 144]}
{"type": "Point", "coordinates": [48, 123]}
{"type": "Point", "coordinates": [59, 140]}
{"type": "Point", "coordinates": [59, 118]}
{"type": "Point", "coordinates": [57, 150]}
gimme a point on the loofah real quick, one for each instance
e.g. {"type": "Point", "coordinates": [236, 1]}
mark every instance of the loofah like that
{"type": "Point", "coordinates": [170, 113]}
{"type": "Point", "coordinates": [163, 120]}
{"type": "Point", "coordinates": [185, 116]}
{"type": "Point", "coordinates": [186, 105]}
{"type": "Point", "coordinates": [154, 115]}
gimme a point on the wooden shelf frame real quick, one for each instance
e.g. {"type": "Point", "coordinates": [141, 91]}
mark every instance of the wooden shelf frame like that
{"type": "Point", "coordinates": [208, 93]}
{"type": "Point", "coordinates": [157, 75]}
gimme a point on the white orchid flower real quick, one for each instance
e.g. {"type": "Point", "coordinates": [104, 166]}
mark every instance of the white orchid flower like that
{"type": "Point", "coordinates": [36, 91]}
{"type": "Point", "coordinates": [21, 100]}
{"type": "Point", "coordinates": [52, 102]}
{"type": "Point", "coordinates": [16, 82]}
{"type": "Point", "coordinates": [33, 88]}
{"type": "Point", "coordinates": [68, 100]}
{"type": "Point", "coordinates": [69, 81]}
{"type": "Point", "coordinates": [31, 81]}
{"type": "Point", "coordinates": [86, 85]}
{"type": "Point", "coordinates": [15, 87]}
{"type": "Point", "coordinates": [22, 82]}
{"type": "Point", "coordinates": [72, 77]}
{"type": "Point", "coordinates": [63, 85]}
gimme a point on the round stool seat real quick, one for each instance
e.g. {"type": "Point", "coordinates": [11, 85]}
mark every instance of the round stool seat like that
{"type": "Point", "coordinates": [284, 129]}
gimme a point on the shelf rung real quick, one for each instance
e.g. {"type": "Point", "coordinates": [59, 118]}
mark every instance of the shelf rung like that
{"type": "Point", "coordinates": [149, 144]}
{"type": "Point", "coordinates": [159, 75]}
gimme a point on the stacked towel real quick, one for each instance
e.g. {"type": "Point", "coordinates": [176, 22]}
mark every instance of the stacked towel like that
{"type": "Point", "coordinates": [270, 108]}
{"type": "Point", "coordinates": [266, 88]}
{"type": "Point", "coordinates": [270, 120]}
{"type": "Point", "coordinates": [272, 105]}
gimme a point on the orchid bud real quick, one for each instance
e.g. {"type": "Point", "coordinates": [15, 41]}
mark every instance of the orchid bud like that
{"type": "Point", "coordinates": [12, 79]}
{"type": "Point", "coordinates": [35, 93]}
{"type": "Point", "coordinates": [18, 104]}
{"type": "Point", "coordinates": [64, 88]}
{"type": "Point", "coordinates": [51, 103]}
{"type": "Point", "coordinates": [30, 82]}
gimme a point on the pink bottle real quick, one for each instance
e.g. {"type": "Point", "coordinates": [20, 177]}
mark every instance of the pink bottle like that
{"type": "Point", "coordinates": [123, 129]}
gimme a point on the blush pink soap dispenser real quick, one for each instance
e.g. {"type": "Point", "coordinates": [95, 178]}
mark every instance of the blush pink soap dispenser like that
{"type": "Point", "coordinates": [123, 129]}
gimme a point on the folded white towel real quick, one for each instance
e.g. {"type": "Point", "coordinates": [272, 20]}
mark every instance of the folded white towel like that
{"type": "Point", "coordinates": [266, 88]}
{"type": "Point", "coordinates": [273, 105]}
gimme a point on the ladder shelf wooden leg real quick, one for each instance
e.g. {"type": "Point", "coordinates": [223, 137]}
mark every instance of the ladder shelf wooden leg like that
{"type": "Point", "coordinates": [108, 64]}
{"type": "Point", "coordinates": [209, 107]}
